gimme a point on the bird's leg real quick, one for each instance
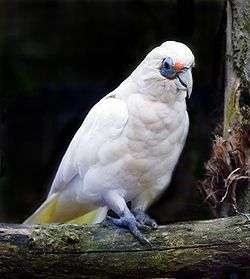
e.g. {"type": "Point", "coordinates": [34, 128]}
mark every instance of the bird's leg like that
{"type": "Point", "coordinates": [245, 215]}
{"type": "Point", "coordinates": [141, 203]}
{"type": "Point", "coordinates": [127, 220]}
{"type": "Point", "coordinates": [144, 219]}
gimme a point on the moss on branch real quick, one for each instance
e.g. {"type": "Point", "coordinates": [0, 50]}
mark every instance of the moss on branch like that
{"type": "Point", "coordinates": [214, 247]}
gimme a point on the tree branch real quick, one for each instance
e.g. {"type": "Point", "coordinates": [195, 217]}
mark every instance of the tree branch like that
{"type": "Point", "coordinates": [196, 249]}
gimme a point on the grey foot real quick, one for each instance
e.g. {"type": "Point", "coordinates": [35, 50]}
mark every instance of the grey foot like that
{"type": "Point", "coordinates": [127, 220]}
{"type": "Point", "coordinates": [144, 219]}
{"type": "Point", "coordinates": [245, 215]}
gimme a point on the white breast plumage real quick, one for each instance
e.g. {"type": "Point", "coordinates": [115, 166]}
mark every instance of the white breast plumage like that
{"type": "Point", "coordinates": [155, 137]}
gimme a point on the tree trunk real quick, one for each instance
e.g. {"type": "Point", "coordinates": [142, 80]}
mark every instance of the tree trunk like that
{"type": "Point", "coordinates": [237, 94]}
{"type": "Point", "coordinates": [226, 187]}
{"type": "Point", "coordinates": [200, 249]}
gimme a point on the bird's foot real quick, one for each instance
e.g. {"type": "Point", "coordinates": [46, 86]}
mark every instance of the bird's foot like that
{"type": "Point", "coordinates": [144, 219]}
{"type": "Point", "coordinates": [245, 215]}
{"type": "Point", "coordinates": [128, 220]}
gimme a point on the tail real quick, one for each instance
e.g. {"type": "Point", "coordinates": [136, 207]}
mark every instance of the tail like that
{"type": "Point", "coordinates": [48, 213]}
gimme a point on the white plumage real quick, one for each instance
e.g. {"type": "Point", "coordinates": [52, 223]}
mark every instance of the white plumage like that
{"type": "Point", "coordinates": [128, 145]}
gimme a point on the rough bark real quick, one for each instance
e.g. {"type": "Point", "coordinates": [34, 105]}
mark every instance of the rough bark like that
{"type": "Point", "coordinates": [237, 95]}
{"type": "Point", "coordinates": [226, 187]}
{"type": "Point", "coordinates": [200, 249]}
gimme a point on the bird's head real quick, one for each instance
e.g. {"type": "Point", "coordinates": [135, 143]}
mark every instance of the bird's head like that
{"type": "Point", "coordinates": [167, 68]}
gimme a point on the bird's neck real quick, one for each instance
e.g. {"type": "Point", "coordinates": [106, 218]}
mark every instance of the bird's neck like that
{"type": "Point", "coordinates": [129, 87]}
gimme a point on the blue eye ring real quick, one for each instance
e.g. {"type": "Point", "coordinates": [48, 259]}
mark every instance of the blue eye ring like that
{"type": "Point", "coordinates": [167, 69]}
{"type": "Point", "coordinates": [166, 64]}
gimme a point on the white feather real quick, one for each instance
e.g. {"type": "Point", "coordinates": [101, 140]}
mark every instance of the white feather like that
{"type": "Point", "coordinates": [130, 141]}
{"type": "Point", "coordinates": [105, 122]}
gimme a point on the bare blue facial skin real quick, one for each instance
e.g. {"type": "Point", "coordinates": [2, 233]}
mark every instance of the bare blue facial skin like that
{"type": "Point", "coordinates": [167, 69]}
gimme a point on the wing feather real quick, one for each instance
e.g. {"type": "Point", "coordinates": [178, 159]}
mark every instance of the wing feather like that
{"type": "Point", "coordinates": [105, 122]}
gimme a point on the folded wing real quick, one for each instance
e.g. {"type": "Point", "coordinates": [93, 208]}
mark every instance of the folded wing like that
{"type": "Point", "coordinates": [105, 122]}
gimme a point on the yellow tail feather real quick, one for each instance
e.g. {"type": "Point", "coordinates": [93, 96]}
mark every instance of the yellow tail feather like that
{"type": "Point", "coordinates": [44, 213]}
{"type": "Point", "coordinates": [92, 217]}
{"type": "Point", "coordinates": [47, 213]}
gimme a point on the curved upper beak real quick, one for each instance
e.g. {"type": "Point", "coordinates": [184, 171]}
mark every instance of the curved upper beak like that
{"type": "Point", "coordinates": [186, 80]}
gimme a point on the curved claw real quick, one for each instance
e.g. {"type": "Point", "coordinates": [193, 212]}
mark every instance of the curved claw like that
{"type": "Point", "coordinates": [245, 215]}
{"type": "Point", "coordinates": [128, 221]}
{"type": "Point", "coordinates": [144, 219]}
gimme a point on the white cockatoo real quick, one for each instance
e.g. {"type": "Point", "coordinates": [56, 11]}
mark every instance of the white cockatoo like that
{"type": "Point", "coordinates": [127, 147]}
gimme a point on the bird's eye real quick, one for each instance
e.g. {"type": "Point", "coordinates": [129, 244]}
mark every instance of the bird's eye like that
{"type": "Point", "coordinates": [167, 69]}
{"type": "Point", "coordinates": [166, 65]}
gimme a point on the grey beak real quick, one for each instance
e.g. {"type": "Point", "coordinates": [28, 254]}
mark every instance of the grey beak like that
{"type": "Point", "coordinates": [186, 79]}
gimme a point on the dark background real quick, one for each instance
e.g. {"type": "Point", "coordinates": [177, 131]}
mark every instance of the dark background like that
{"type": "Point", "coordinates": [58, 58]}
